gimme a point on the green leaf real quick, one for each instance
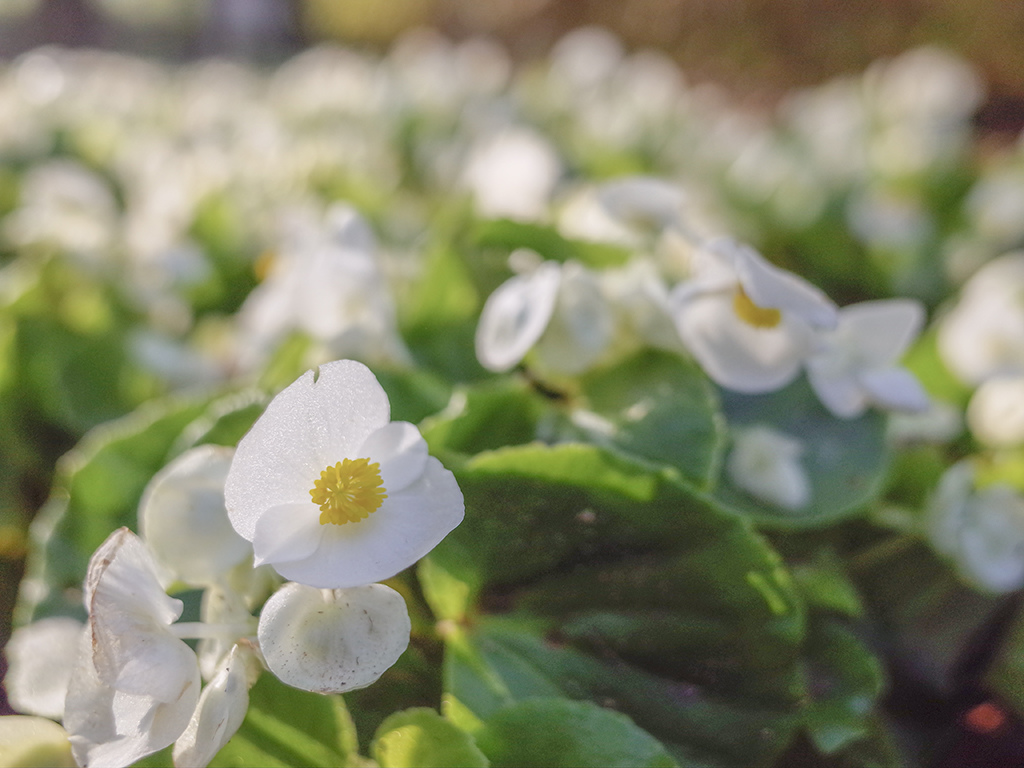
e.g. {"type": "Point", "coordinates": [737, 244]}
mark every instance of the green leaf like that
{"type": "Point", "coordinates": [421, 738]}
{"type": "Point", "coordinates": [548, 242]}
{"type": "Point", "coordinates": [824, 585]}
{"type": "Point", "coordinates": [413, 394]}
{"type": "Point", "coordinates": [555, 732]}
{"type": "Point", "coordinates": [650, 594]}
{"type": "Point", "coordinates": [845, 459]}
{"type": "Point", "coordinates": [662, 409]}
{"type": "Point", "coordinates": [844, 680]}
{"type": "Point", "coordinates": [288, 727]}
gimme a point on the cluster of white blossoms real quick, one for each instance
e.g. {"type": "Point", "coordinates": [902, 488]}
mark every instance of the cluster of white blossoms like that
{"type": "Point", "coordinates": [325, 491]}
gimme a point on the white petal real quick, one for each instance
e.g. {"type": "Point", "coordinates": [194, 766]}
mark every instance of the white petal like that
{"type": "Point", "coordinates": [774, 288]}
{"type": "Point", "coordinates": [881, 330]}
{"type": "Point", "coordinates": [996, 412]}
{"type": "Point", "coordinates": [332, 641]}
{"type": "Point", "coordinates": [401, 451]}
{"type": "Point", "coordinates": [128, 616]}
{"type": "Point", "coordinates": [766, 464]}
{"type": "Point", "coordinates": [40, 657]}
{"type": "Point", "coordinates": [287, 532]}
{"type": "Point", "coordinates": [183, 520]}
{"type": "Point", "coordinates": [405, 528]}
{"type": "Point", "coordinates": [307, 426]}
{"type": "Point", "coordinates": [581, 327]}
{"type": "Point", "coordinates": [515, 315]}
{"type": "Point", "coordinates": [220, 712]}
{"type": "Point", "coordinates": [113, 728]}
{"type": "Point", "coordinates": [895, 388]}
{"type": "Point", "coordinates": [737, 355]}
{"type": "Point", "coordinates": [843, 395]}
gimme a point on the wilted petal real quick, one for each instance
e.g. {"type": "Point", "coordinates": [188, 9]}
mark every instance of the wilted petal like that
{"type": "Point", "coordinates": [183, 520]}
{"type": "Point", "coordinates": [220, 712]}
{"type": "Point", "coordinates": [332, 641]}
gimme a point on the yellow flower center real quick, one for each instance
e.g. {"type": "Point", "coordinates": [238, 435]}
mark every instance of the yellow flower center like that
{"type": "Point", "coordinates": [349, 491]}
{"type": "Point", "coordinates": [750, 313]}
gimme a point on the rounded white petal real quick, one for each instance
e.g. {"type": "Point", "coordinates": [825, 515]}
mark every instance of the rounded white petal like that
{"type": "Point", "coordinates": [895, 388]}
{"type": "Point", "coordinates": [287, 532]}
{"type": "Point", "coordinates": [220, 712]}
{"type": "Point", "coordinates": [332, 641]}
{"type": "Point", "coordinates": [880, 331]}
{"type": "Point", "coordinates": [183, 520]}
{"type": "Point", "coordinates": [406, 527]}
{"type": "Point", "coordinates": [996, 412]}
{"type": "Point", "coordinates": [401, 451]}
{"type": "Point", "coordinates": [581, 327]}
{"type": "Point", "coordinates": [515, 315]}
{"type": "Point", "coordinates": [40, 657]}
{"type": "Point", "coordinates": [735, 354]}
{"type": "Point", "coordinates": [311, 424]}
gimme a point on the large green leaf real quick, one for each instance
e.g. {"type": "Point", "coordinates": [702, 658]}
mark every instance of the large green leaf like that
{"type": "Point", "coordinates": [555, 733]}
{"type": "Point", "coordinates": [845, 459]}
{"type": "Point", "coordinates": [661, 408]}
{"type": "Point", "coordinates": [288, 727]}
{"type": "Point", "coordinates": [642, 583]}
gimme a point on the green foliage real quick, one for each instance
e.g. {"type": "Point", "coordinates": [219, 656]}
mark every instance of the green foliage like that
{"type": "Point", "coordinates": [421, 738]}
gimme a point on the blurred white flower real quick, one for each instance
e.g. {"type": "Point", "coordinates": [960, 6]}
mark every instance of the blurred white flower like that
{"type": "Point", "coordinates": [326, 282]}
{"type": "Point", "coordinates": [333, 640]}
{"type": "Point", "coordinates": [40, 657]}
{"type": "Point", "coordinates": [331, 492]}
{"type": "Point", "coordinates": [749, 324]}
{"type": "Point", "coordinates": [995, 413]}
{"type": "Point", "coordinates": [766, 464]}
{"type": "Point", "coordinates": [980, 529]}
{"type": "Point", "coordinates": [856, 365]}
{"type": "Point", "coordinates": [940, 422]}
{"type": "Point", "coordinates": [639, 299]}
{"type": "Point", "coordinates": [983, 335]}
{"type": "Point", "coordinates": [512, 174]}
{"type": "Point", "coordinates": [183, 520]}
{"type": "Point", "coordinates": [557, 313]}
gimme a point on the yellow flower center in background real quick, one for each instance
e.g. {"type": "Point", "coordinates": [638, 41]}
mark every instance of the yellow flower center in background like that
{"type": "Point", "coordinates": [349, 491]}
{"type": "Point", "coordinates": [750, 313]}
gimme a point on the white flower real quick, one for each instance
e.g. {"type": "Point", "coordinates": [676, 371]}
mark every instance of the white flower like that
{"type": "Point", "coordinates": [327, 282]}
{"type": "Point", "coordinates": [856, 366]}
{"type": "Point", "coordinates": [558, 312]}
{"type": "Point", "coordinates": [330, 491]}
{"type": "Point", "coordinates": [748, 323]}
{"type": "Point", "coordinates": [333, 641]}
{"type": "Point", "coordinates": [766, 464]}
{"type": "Point", "coordinates": [183, 520]}
{"type": "Point", "coordinates": [983, 335]}
{"type": "Point", "coordinates": [980, 529]}
{"type": "Point", "coordinates": [512, 174]}
{"type": "Point", "coordinates": [40, 657]}
{"type": "Point", "coordinates": [996, 412]}
{"type": "Point", "coordinates": [135, 684]}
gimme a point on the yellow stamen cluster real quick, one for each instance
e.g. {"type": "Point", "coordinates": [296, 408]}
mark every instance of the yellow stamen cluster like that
{"type": "Point", "coordinates": [349, 491]}
{"type": "Point", "coordinates": [750, 313]}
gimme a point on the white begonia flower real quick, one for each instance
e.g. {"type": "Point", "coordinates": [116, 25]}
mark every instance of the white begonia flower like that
{"type": "Point", "coordinates": [983, 335]}
{"type": "Point", "coordinates": [220, 711]}
{"type": "Point", "coordinates": [331, 492]}
{"type": "Point", "coordinates": [326, 282]}
{"type": "Point", "coordinates": [558, 312]}
{"type": "Point", "coordinates": [856, 365]}
{"type": "Point", "coordinates": [512, 175]}
{"type": "Point", "coordinates": [639, 298]}
{"type": "Point", "coordinates": [995, 414]}
{"type": "Point", "coordinates": [333, 641]}
{"type": "Point", "coordinates": [748, 323]}
{"type": "Point", "coordinates": [766, 464]}
{"type": "Point", "coordinates": [980, 529]}
{"type": "Point", "coordinates": [40, 658]}
{"type": "Point", "coordinates": [183, 520]}
{"type": "Point", "coordinates": [135, 684]}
